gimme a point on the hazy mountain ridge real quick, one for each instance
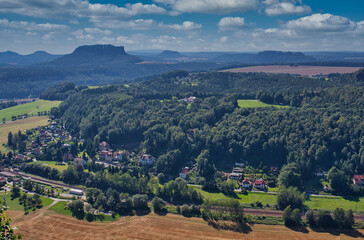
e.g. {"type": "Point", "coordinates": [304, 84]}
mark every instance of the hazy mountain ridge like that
{"type": "Point", "coordinates": [10, 58]}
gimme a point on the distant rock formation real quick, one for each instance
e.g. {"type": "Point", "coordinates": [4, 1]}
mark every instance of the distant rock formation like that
{"type": "Point", "coordinates": [96, 54]}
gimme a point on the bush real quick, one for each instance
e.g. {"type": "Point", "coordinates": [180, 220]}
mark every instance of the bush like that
{"type": "Point", "coordinates": [259, 204]}
{"type": "Point", "coordinates": [158, 204]}
{"type": "Point", "coordinates": [289, 197]}
{"type": "Point", "coordinates": [140, 202]}
{"type": "Point", "coordinates": [190, 210]}
{"type": "Point", "coordinates": [291, 218]}
{"type": "Point", "coordinates": [210, 187]}
{"type": "Point", "coordinates": [339, 218]}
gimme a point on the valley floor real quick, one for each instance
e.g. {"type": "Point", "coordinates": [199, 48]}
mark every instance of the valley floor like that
{"type": "Point", "coordinates": [46, 224]}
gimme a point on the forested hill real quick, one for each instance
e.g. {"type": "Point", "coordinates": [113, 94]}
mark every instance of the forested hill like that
{"type": "Point", "coordinates": [322, 128]}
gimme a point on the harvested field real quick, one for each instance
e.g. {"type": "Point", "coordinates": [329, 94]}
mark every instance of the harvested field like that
{"type": "Point", "coordinates": [299, 70]}
{"type": "Point", "coordinates": [49, 225]}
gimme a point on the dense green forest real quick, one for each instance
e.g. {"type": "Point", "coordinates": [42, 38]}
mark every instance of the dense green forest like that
{"type": "Point", "coordinates": [322, 128]}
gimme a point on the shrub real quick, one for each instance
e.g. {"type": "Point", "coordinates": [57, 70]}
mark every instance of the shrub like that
{"type": "Point", "coordinates": [158, 204]}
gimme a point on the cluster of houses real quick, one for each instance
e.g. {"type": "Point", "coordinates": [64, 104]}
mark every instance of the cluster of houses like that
{"type": "Point", "coordinates": [258, 184]}
{"type": "Point", "coordinates": [107, 155]}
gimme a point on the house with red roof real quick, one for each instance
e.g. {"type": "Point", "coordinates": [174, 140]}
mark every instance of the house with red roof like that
{"type": "Point", "coordinates": [358, 180]}
{"type": "Point", "coordinates": [260, 184]}
{"type": "Point", "coordinates": [246, 183]}
{"type": "Point", "coordinates": [184, 172]}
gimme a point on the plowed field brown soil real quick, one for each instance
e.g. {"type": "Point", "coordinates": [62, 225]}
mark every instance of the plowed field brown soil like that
{"type": "Point", "coordinates": [300, 70]}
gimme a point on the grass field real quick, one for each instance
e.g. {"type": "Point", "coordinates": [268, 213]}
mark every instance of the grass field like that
{"type": "Point", "coordinates": [317, 202]}
{"type": "Point", "coordinates": [59, 208]}
{"type": "Point", "coordinates": [14, 204]}
{"type": "Point", "coordinates": [330, 203]}
{"type": "Point", "coordinates": [256, 104]}
{"type": "Point", "coordinates": [52, 164]}
{"type": "Point", "coordinates": [31, 108]}
{"type": "Point", "coordinates": [22, 124]}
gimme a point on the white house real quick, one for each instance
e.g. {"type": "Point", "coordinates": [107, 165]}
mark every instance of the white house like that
{"type": "Point", "coordinates": [235, 176]}
{"type": "Point", "coordinates": [246, 183]}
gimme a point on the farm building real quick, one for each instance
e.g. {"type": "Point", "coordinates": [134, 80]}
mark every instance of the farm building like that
{"type": "Point", "coordinates": [76, 191]}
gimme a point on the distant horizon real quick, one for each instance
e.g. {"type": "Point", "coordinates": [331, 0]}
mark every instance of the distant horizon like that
{"type": "Point", "coordinates": [161, 50]}
{"type": "Point", "coordinates": [58, 27]}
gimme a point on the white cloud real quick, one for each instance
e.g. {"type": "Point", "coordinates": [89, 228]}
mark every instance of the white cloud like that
{"type": "Point", "coordinates": [211, 6]}
{"type": "Point", "coordinates": [166, 42]}
{"type": "Point", "coordinates": [98, 31]}
{"type": "Point", "coordinates": [231, 23]}
{"type": "Point", "coordinates": [120, 40]}
{"type": "Point", "coordinates": [224, 39]}
{"type": "Point", "coordinates": [30, 26]}
{"type": "Point", "coordinates": [85, 37]}
{"type": "Point", "coordinates": [323, 23]}
{"type": "Point", "coordinates": [73, 9]}
{"type": "Point", "coordinates": [31, 34]}
{"type": "Point", "coordinates": [187, 25]}
{"type": "Point", "coordinates": [137, 24]}
{"type": "Point", "coordinates": [287, 7]}
{"type": "Point", "coordinates": [147, 24]}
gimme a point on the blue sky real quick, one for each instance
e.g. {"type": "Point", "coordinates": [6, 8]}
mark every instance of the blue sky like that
{"type": "Point", "coordinates": [184, 25]}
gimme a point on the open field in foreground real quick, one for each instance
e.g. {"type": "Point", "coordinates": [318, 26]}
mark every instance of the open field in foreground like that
{"type": "Point", "coordinates": [49, 225]}
{"type": "Point", "coordinates": [300, 70]}
{"type": "Point", "coordinates": [256, 103]}
{"type": "Point", "coordinates": [22, 124]}
{"type": "Point", "coordinates": [29, 108]}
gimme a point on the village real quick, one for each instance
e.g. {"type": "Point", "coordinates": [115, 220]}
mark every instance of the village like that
{"type": "Point", "coordinates": [38, 140]}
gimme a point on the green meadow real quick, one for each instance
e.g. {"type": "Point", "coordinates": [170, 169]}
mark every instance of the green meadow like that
{"type": "Point", "coordinates": [31, 109]}
{"type": "Point", "coordinates": [317, 202]}
{"type": "Point", "coordinates": [256, 104]}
